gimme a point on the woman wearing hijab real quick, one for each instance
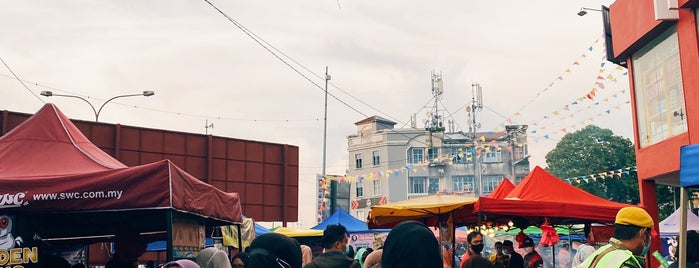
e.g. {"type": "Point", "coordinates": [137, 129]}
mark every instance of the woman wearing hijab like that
{"type": "Point", "coordinates": [183, 263]}
{"type": "Point", "coordinates": [274, 250]}
{"type": "Point", "coordinates": [240, 260]}
{"type": "Point", "coordinates": [411, 244]}
{"type": "Point", "coordinates": [373, 260]}
{"type": "Point", "coordinates": [213, 258]}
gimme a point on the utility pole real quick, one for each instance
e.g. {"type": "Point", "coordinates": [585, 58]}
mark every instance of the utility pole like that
{"type": "Point", "coordinates": [333, 191]}
{"type": "Point", "coordinates": [476, 105]}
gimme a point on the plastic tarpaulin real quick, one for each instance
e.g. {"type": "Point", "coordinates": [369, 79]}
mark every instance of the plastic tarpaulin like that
{"type": "Point", "coordinates": [247, 231]}
{"type": "Point", "coordinates": [689, 166]}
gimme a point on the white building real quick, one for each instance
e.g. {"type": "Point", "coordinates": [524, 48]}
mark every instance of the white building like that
{"type": "Point", "coordinates": [388, 164]}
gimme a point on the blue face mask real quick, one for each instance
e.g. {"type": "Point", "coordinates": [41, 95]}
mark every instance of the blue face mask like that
{"type": "Point", "coordinates": [646, 247]}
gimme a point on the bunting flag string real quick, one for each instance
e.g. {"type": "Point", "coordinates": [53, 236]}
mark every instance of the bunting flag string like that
{"type": "Point", "coordinates": [598, 177]}
{"type": "Point", "coordinates": [560, 77]}
{"type": "Point", "coordinates": [551, 131]}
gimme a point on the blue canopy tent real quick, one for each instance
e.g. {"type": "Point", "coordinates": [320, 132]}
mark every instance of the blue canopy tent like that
{"type": "Point", "coordinates": [260, 230]}
{"type": "Point", "coordinates": [352, 224]}
{"type": "Point", "coordinates": [689, 177]}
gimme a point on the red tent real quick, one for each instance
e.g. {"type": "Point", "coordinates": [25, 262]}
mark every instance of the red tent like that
{"type": "Point", "coordinates": [50, 172]}
{"type": "Point", "coordinates": [541, 195]}
{"type": "Point", "coordinates": [502, 190]}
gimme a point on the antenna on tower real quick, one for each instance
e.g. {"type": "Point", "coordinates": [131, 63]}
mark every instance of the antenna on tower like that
{"type": "Point", "coordinates": [207, 126]}
{"type": "Point", "coordinates": [476, 106]}
{"type": "Point", "coordinates": [434, 120]}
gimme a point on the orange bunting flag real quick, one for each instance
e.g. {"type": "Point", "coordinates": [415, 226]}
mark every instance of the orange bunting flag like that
{"type": "Point", "coordinates": [560, 78]}
{"type": "Point", "coordinates": [564, 130]}
{"type": "Point", "coordinates": [576, 63]}
{"type": "Point", "coordinates": [591, 95]}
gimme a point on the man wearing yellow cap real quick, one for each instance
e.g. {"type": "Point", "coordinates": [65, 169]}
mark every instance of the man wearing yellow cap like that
{"type": "Point", "coordinates": [630, 244]}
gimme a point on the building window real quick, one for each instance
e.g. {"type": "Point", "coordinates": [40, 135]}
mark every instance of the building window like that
{"type": "Point", "coordinates": [360, 189]}
{"type": "Point", "coordinates": [417, 185]}
{"type": "Point", "coordinates": [490, 182]}
{"type": "Point", "coordinates": [659, 92]}
{"type": "Point", "coordinates": [458, 155]}
{"type": "Point", "coordinates": [492, 154]}
{"type": "Point", "coordinates": [433, 186]}
{"type": "Point", "coordinates": [432, 154]}
{"type": "Point", "coordinates": [463, 183]}
{"type": "Point", "coordinates": [518, 152]}
{"type": "Point", "coordinates": [417, 155]}
{"type": "Point", "coordinates": [377, 187]}
{"type": "Point", "coordinates": [519, 179]}
{"type": "Point", "coordinates": [376, 158]}
{"type": "Point", "coordinates": [358, 161]}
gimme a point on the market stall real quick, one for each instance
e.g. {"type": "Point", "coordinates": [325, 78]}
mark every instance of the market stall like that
{"type": "Point", "coordinates": [58, 187]}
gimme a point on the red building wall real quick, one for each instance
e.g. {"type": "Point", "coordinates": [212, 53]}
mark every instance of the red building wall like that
{"type": "Point", "coordinates": [633, 25]}
{"type": "Point", "coordinates": [264, 174]}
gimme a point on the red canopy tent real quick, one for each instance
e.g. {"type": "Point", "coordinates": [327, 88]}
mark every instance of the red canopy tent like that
{"type": "Point", "coordinates": [502, 190]}
{"type": "Point", "coordinates": [541, 195]}
{"type": "Point", "coordinates": [52, 174]}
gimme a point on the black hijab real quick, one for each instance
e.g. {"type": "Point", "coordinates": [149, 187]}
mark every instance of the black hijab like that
{"type": "Point", "coordinates": [411, 244]}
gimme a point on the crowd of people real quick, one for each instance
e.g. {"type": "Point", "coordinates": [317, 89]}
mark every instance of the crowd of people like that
{"type": "Point", "coordinates": [412, 244]}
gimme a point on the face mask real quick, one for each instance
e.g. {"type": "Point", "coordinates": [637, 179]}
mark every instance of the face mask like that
{"type": "Point", "coordinates": [477, 248]}
{"type": "Point", "coordinates": [501, 252]}
{"type": "Point", "coordinates": [646, 247]}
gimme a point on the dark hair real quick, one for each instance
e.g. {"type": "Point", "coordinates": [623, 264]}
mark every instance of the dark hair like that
{"type": "Point", "coordinates": [692, 246]}
{"type": "Point", "coordinates": [274, 250]}
{"type": "Point", "coordinates": [242, 256]}
{"type": "Point", "coordinates": [508, 243]}
{"type": "Point", "coordinates": [473, 235]}
{"type": "Point", "coordinates": [625, 232]}
{"type": "Point", "coordinates": [333, 233]}
{"type": "Point", "coordinates": [411, 244]}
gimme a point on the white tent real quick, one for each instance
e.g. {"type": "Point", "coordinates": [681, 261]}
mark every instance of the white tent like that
{"type": "Point", "coordinates": [670, 226]}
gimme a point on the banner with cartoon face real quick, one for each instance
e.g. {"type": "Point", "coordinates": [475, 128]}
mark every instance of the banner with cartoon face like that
{"type": "Point", "coordinates": [16, 250]}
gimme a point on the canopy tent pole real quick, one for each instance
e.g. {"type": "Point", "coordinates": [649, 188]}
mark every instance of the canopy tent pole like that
{"type": "Point", "coordinates": [684, 203]}
{"type": "Point", "coordinates": [240, 238]}
{"type": "Point", "coordinates": [170, 254]}
{"type": "Point", "coordinates": [453, 241]}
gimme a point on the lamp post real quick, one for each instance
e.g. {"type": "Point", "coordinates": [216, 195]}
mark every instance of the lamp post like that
{"type": "Point", "coordinates": [147, 93]}
{"type": "Point", "coordinates": [583, 11]}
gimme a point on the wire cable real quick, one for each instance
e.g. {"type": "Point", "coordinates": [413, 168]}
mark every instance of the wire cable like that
{"type": "Point", "coordinates": [20, 80]}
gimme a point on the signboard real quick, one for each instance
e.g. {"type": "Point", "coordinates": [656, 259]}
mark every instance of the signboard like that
{"type": "Point", "coordinates": [367, 240]}
{"type": "Point", "coordinates": [16, 250]}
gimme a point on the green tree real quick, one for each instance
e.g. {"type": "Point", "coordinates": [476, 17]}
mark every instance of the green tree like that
{"type": "Point", "coordinates": [593, 150]}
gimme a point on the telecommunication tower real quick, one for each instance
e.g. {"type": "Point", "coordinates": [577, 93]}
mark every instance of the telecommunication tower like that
{"type": "Point", "coordinates": [475, 107]}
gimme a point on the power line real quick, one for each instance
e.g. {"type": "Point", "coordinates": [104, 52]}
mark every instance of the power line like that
{"type": "Point", "coordinates": [249, 34]}
{"type": "Point", "coordinates": [20, 80]}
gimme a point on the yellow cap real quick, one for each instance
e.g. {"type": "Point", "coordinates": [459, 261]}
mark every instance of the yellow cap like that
{"type": "Point", "coordinates": [634, 216]}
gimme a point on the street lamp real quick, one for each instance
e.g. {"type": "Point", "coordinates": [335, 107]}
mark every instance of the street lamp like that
{"type": "Point", "coordinates": [147, 93]}
{"type": "Point", "coordinates": [583, 11]}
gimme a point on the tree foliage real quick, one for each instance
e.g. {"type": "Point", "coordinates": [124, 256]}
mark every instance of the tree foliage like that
{"type": "Point", "coordinates": [592, 150]}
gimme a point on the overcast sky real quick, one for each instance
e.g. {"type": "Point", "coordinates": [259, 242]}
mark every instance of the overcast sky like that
{"type": "Point", "coordinates": [531, 54]}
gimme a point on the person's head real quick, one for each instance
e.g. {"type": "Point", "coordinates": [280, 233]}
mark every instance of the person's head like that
{"type": "Point", "coordinates": [692, 247]}
{"type": "Point", "coordinates": [577, 242]}
{"type": "Point", "coordinates": [129, 245]}
{"type": "Point", "coordinates": [274, 250]}
{"type": "Point", "coordinates": [475, 242]}
{"type": "Point", "coordinates": [528, 245]}
{"type": "Point", "coordinates": [334, 238]}
{"type": "Point", "coordinates": [239, 260]}
{"type": "Point", "coordinates": [508, 246]}
{"type": "Point", "coordinates": [183, 263]}
{"type": "Point", "coordinates": [411, 244]}
{"type": "Point", "coordinates": [633, 227]}
{"type": "Point", "coordinates": [498, 247]}
{"type": "Point", "coordinates": [213, 258]}
{"type": "Point", "coordinates": [373, 260]}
